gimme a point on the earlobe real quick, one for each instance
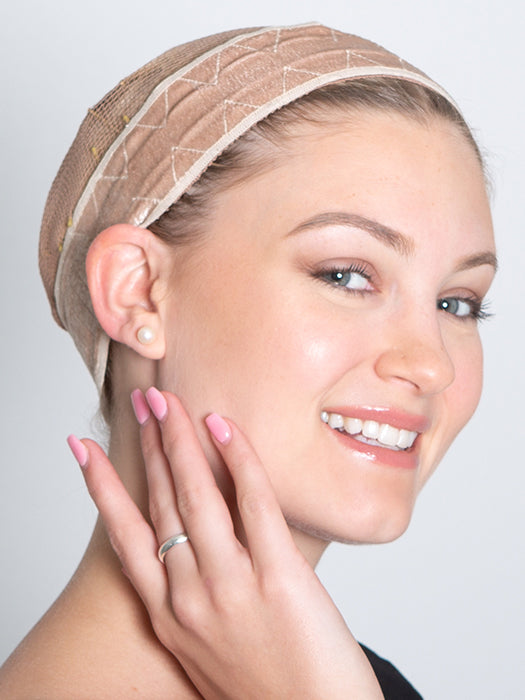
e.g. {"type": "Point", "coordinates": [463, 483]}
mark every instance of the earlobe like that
{"type": "Point", "coordinates": [125, 269]}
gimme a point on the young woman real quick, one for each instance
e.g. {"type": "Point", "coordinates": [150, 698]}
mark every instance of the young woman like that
{"type": "Point", "coordinates": [278, 242]}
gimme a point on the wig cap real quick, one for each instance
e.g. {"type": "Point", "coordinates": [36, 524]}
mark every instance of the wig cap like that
{"type": "Point", "coordinates": [147, 141]}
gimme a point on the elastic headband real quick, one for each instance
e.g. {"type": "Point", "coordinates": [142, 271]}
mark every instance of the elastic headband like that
{"type": "Point", "coordinates": [149, 139]}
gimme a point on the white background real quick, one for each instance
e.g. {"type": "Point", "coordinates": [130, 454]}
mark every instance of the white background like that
{"type": "Point", "coordinates": [445, 602]}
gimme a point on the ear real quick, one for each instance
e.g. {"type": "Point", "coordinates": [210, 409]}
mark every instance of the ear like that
{"type": "Point", "coordinates": [127, 273]}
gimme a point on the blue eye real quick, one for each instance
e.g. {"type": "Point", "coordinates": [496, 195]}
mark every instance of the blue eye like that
{"type": "Point", "coordinates": [353, 279]}
{"type": "Point", "coordinates": [463, 308]}
{"type": "Point", "coordinates": [455, 306]}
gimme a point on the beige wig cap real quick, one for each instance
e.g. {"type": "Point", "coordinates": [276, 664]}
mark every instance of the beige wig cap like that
{"type": "Point", "coordinates": [147, 141]}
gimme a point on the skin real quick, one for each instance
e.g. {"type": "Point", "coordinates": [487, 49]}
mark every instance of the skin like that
{"type": "Point", "coordinates": [245, 327]}
{"type": "Point", "coordinates": [274, 347]}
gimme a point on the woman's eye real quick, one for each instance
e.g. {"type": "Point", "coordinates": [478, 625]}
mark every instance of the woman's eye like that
{"type": "Point", "coordinates": [463, 308]}
{"type": "Point", "coordinates": [455, 306]}
{"type": "Point", "coordinates": [351, 278]}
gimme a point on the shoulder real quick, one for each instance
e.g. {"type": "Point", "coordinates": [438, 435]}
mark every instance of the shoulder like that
{"type": "Point", "coordinates": [79, 653]}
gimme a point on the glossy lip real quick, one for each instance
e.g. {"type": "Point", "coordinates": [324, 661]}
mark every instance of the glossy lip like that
{"type": "Point", "coordinates": [404, 459]}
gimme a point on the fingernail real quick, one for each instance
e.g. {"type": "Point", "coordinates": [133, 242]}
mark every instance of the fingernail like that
{"type": "Point", "coordinates": [157, 403]}
{"type": "Point", "coordinates": [219, 428]}
{"type": "Point", "coordinates": [140, 406]}
{"type": "Point", "coordinates": [78, 449]}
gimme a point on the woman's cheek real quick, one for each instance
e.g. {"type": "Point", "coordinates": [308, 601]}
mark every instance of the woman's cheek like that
{"type": "Point", "coordinates": [468, 382]}
{"type": "Point", "coordinates": [455, 406]}
{"type": "Point", "coordinates": [326, 346]}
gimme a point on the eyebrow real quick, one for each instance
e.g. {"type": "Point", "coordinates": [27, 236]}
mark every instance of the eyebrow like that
{"type": "Point", "coordinates": [394, 239]}
{"type": "Point", "coordinates": [398, 241]}
{"type": "Point", "coordinates": [487, 258]}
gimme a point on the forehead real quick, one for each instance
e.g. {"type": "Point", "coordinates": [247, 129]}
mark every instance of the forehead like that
{"type": "Point", "coordinates": [414, 177]}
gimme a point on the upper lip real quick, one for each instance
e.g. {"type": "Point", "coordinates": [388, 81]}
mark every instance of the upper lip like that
{"type": "Point", "coordinates": [393, 416]}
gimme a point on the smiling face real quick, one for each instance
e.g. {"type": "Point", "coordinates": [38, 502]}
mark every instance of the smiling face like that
{"type": "Point", "coordinates": [339, 291]}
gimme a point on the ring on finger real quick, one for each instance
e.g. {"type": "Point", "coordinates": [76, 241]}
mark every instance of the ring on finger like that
{"type": "Point", "coordinates": [171, 542]}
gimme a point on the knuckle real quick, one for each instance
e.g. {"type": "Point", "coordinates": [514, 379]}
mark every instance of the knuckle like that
{"type": "Point", "coordinates": [279, 580]}
{"type": "Point", "coordinates": [117, 538]}
{"type": "Point", "coordinates": [164, 633]}
{"type": "Point", "coordinates": [149, 445]}
{"type": "Point", "coordinates": [219, 593]}
{"type": "Point", "coordinates": [253, 504]}
{"type": "Point", "coordinates": [188, 610]}
{"type": "Point", "coordinates": [277, 589]}
{"type": "Point", "coordinates": [190, 500]}
{"type": "Point", "coordinates": [229, 604]}
{"type": "Point", "coordinates": [170, 441]}
{"type": "Point", "coordinates": [158, 508]}
{"type": "Point", "coordinates": [244, 457]}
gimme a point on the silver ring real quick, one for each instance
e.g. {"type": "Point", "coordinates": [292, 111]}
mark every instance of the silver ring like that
{"type": "Point", "coordinates": [171, 542]}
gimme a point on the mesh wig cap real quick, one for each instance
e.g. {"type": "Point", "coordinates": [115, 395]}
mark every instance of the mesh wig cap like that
{"type": "Point", "coordinates": [147, 141]}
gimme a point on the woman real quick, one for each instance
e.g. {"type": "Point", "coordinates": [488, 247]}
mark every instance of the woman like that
{"type": "Point", "coordinates": [287, 232]}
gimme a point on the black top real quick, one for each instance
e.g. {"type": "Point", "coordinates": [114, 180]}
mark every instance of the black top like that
{"type": "Point", "coordinates": [393, 684]}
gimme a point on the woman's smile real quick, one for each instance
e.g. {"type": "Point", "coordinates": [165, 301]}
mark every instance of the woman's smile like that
{"type": "Point", "coordinates": [332, 309]}
{"type": "Point", "coordinates": [374, 436]}
{"type": "Point", "coordinates": [372, 427]}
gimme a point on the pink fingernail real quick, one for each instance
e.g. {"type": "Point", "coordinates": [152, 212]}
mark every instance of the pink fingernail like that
{"type": "Point", "coordinates": [219, 428]}
{"type": "Point", "coordinates": [157, 403]}
{"type": "Point", "coordinates": [140, 406]}
{"type": "Point", "coordinates": [79, 450]}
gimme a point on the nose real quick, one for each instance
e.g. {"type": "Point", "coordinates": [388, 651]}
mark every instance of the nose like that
{"type": "Point", "coordinates": [420, 359]}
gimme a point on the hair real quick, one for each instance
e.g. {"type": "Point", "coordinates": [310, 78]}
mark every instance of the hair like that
{"type": "Point", "coordinates": [260, 148]}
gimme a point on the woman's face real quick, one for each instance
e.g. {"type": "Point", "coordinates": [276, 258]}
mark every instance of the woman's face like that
{"type": "Point", "coordinates": [341, 286]}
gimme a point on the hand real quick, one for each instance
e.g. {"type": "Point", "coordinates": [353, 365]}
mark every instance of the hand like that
{"type": "Point", "coordinates": [245, 621]}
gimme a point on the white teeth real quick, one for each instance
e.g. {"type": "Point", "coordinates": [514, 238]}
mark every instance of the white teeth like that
{"type": "Point", "coordinates": [389, 435]}
{"type": "Point", "coordinates": [405, 439]}
{"type": "Point", "coordinates": [352, 425]}
{"type": "Point", "coordinates": [335, 420]}
{"type": "Point", "coordinates": [382, 434]}
{"type": "Point", "coordinates": [371, 429]}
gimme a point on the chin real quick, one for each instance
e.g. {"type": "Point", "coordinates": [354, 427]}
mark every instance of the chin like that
{"type": "Point", "coordinates": [375, 524]}
{"type": "Point", "coordinates": [379, 531]}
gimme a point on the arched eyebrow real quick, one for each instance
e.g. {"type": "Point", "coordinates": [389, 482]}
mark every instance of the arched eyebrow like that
{"type": "Point", "coordinates": [486, 258]}
{"type": "Point", "coordinates": [394, 239]}
{"type": "Point", "coordinates": [398, 241]}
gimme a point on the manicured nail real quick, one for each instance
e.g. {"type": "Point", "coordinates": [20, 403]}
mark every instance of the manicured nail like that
{"type": "Point", "coordinates": [78, 449]}
{"type": "Point", "coordinates": [157, 403]}
{"type": "Point", "coordinates": [219, 428]}
{"type": "Point", "coordinates": [140, 406]}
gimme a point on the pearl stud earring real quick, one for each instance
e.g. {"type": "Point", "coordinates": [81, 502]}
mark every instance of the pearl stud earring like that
{"type": "Point", "coordinates": [145, 335]}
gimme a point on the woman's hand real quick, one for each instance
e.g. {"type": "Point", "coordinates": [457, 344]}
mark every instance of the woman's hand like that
{"type": "Point", "coordinates": [245, 621]}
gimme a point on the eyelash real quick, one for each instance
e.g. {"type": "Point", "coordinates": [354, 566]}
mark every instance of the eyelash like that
{"type": "Point", "coordinates": [328, 275]}
{"type": "Point", "coordinates": [478, 308]}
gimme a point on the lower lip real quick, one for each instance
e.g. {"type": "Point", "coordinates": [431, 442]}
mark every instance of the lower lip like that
{"type": "Point", "coordinates": [403, 459]}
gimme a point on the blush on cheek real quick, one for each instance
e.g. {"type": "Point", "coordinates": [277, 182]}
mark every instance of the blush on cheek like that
{"type": "Point", "coordinates": [467, 393]}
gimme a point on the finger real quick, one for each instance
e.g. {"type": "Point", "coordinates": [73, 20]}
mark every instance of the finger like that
{"type": "Point", "coordinates": [266, 530]}
{"type": "Point", "coordinates": [161, 493]}
{"type": "Point", "coordinates": [131, 537]}
{"type": "Point", "coordinates": [200, 503]}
